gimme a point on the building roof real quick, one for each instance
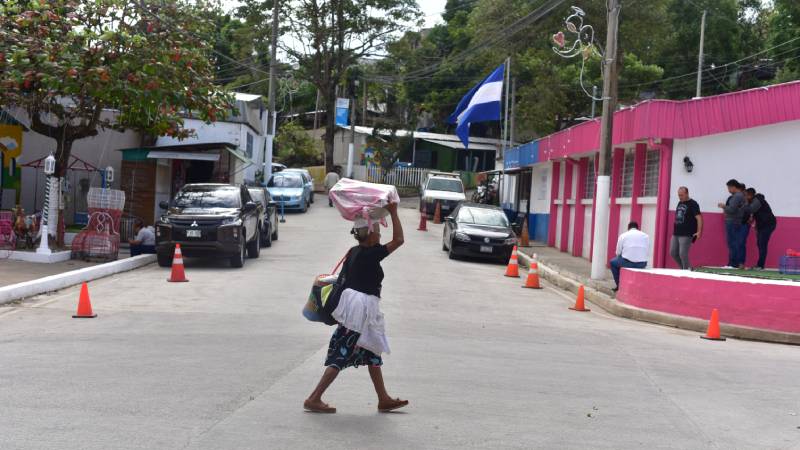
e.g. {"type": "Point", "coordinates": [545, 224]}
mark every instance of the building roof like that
{"type": "Point", "coordinates": [445, 139]}
{"type": "Point", "coordinates": [669, 119]}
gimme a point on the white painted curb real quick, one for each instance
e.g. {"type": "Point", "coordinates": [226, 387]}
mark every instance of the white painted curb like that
{"type": "Point", "coordinates": [71, 278]}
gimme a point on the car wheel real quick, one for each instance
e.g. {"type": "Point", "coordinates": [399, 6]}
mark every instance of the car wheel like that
{"type": "Point", "coordinates": [304, 208]}
{"type": "Point", "coordinates": [266, 241]}
{"type": "Point", "coordinates": [238, 260]}
{"type": "Point", "coordinates": [275, 233]}
{"type": "Point", "coordinates": [312, 197]}
{"type": "Point", "coordinates": [444, 242]}
{"type": "Point", "coordinates": [164, 260]}
{"type": "Point", "coordinates": [254, 247]}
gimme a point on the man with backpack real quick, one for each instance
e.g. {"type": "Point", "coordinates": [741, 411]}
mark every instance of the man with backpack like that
{"type": "Point", "coordinates": [764, 220]}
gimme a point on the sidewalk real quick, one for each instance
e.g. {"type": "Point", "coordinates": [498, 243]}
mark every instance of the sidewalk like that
{"type": "Point", "coordinates": [13, 272]}
{"type": "Point", "coordinates": [568, 266]}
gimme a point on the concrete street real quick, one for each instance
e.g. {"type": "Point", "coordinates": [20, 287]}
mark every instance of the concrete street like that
{"type": "Point", "coordinates": [225, 361]}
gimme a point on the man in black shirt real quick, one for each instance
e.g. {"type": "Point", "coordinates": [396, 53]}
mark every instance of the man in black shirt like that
{"type": "Point", "coordinates": [765, 222]}
{"type": "Point", "coordinates": [688, 228]}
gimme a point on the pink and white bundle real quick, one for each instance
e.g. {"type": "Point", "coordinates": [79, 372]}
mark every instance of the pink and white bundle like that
{"type": "Point", "coordinates": [361, 200]}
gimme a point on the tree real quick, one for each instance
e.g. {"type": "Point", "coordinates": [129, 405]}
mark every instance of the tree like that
{"type": "Point", "coordinates": [295, 146]}
{"type": "Point", "coordinates": [66, 62]}
{"type": "Point", "coordinates": [332, 36]}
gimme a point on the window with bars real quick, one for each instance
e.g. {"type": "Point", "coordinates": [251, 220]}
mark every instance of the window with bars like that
{"type": "Point", "coordinates": [590, 181]}
{"type": "Point", "coordinates": [650, 181]}
{"type": "Point", "coordinates": [626, 189]}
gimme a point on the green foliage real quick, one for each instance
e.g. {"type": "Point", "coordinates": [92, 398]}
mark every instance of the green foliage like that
{"type": "Point", "coordinates": [65, 62]}
{"type": "Point", "coordinates": [295, 148]}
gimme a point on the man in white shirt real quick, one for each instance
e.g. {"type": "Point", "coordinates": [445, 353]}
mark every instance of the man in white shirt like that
{"type": "Point", "coordinates": [633, 248]}
{"type": "Point", "coordinates": [145, 240]}
{"type": "Point", "coordinates": [330, 181]}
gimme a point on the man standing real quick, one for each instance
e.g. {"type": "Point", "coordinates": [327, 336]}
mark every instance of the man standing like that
{"type": "Point", "coordinates": [145, 240]}
{"type": "Point", "coordinates": [687, 229]}
{"type": "Point", "coordinates": [734, 229]}
{"type": "Point", "coordinates": [330, 181]}
{"type": "Point", "coordinates": [764, 220]}
{"type": "Point", "coordinates": [633, 247]}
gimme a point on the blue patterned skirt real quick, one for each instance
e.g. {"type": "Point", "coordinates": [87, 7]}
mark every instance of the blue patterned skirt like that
{"type": "Point", "coordinates": [343, 351]}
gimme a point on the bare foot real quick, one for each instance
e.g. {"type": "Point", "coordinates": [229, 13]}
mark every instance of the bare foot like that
{"type": "Point", "coordinates": [318, 406]}
{"type": "Point", "coordinates": [391, 404]}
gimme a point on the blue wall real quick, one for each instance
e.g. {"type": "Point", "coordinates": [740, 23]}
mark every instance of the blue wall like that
{"type": "Point", "coordinates": [538, 225]}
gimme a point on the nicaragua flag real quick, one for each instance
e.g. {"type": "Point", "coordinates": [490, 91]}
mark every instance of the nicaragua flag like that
{"type": "Point", "coordinates": [481, 104]}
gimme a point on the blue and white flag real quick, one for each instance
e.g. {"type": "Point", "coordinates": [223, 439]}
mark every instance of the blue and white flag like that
{"type": "Point", "coordinates": [481, 104]}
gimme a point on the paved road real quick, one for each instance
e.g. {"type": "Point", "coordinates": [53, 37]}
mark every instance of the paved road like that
{"type": "Point", "coordinates": [224, 362]}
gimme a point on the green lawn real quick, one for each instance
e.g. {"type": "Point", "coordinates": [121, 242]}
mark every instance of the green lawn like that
{"type": "Point", "coordinates": [765, 274]}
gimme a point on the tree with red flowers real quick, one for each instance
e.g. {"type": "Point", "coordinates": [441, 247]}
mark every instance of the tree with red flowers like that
{"type": "Point", "coordinates": [77, 67]}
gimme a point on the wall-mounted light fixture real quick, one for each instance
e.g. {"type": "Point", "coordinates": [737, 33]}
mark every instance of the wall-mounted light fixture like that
{"type": "Point", "coordinates": [688, 164]}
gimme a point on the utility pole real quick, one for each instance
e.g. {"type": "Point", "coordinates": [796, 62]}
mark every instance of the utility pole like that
{"type": "Point", "coordinates": [700, 55]}
{"type": "Point", "coordinates": [273, 69]}
{"type": "Point", "coordinates": [364, 110]}
{"type": "Point", "coordinates": [316, 112]}
{"type": "Point", "coordinates": [511, 126]}
{"type": "Point", "coordinates": [594, 102]}
{"type": "Point", "coordinates": [600, 252]}
{"type": "Point", "coordinates": [351, 149]}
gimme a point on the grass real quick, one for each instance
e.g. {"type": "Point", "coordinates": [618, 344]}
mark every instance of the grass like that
{"type": "Point", "coordinates": [763, 274]}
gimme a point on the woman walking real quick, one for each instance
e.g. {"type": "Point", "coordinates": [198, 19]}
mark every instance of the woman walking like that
{"type": "Point", "coordinates": [360, 337]}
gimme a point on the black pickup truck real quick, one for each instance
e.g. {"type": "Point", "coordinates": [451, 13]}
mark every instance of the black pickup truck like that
{"type": "Point", "coordinates": [209, 220]}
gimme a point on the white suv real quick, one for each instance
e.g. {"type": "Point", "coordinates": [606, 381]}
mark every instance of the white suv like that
{"type": "Point", "coordinates": [443, 188]}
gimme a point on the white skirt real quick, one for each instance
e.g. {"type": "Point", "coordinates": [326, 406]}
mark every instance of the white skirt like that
{"type": "Point", "coordinates": [361, 313]}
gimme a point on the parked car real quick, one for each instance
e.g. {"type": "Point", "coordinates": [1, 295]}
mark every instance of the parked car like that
{"type": "Point", "coordinates": [443, 188]}
{"type": "Point", "coordinates": [268, 217]}
{"type": "Point", "coordinates": [478, 230]}
{"type": "Point", "coordinates": [278, 167]}
{"type": "Point", "coordinates": [209, 220]}
{"type": "Point", "coordinates": [290, 190]}
{"type": "Point", "coordinates": [307, 177]}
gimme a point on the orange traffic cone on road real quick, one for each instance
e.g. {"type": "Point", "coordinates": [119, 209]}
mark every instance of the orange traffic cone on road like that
{"type": "Point", "coordinates": [712, 334]}
{"type": "Point", "coordinates": [513, 266]}
{"type": "Point", "coordinates": [437, 215]}
{"type": "Point", "coordinates": [84, 305]}
{"type": "Point", "coordinates": [525, 239]}
{"type": "Point", "coordinates": [178, 274]}
{"type": "Point", "coordinates": [423, 221]}
{"type": "Point", "coordinates": [579, 302]}
{"type": "Point", "coordinates": [532, 282]}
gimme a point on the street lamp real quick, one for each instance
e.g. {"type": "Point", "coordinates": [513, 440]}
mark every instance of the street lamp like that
{"type": "Point", "coordinates": [108, 176]}
{"type": "Point", "coordinates": [49, 170]}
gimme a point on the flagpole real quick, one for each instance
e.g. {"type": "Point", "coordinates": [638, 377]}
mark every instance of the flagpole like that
{"type": "Point", "coordinates": [504, 147]}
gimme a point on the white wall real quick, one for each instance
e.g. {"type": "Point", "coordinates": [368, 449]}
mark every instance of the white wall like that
{"type": "Point", "coordinates": [540, 188]}
{"type": "Point", "coordinates": [766, 158]}
{"type": "Point", "coordinates": [587, 231]}
{"type": "Point", "coordinates": [648, 226]}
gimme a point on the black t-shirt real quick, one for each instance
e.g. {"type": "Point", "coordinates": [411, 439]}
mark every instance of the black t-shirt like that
{"type": "Point", "coordinates": [365, 273]}
{"type": "Point", "coordinates": [686, 218]}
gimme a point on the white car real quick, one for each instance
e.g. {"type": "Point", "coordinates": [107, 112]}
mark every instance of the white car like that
{"type": "Point", "coordinates": [443, 188]}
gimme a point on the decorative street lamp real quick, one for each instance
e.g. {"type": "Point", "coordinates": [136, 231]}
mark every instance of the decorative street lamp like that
{"type": "Point", "coordinates": [583, 45]}
{"type": "Point", "coordinates": [49, 170]}
{"type": "Point", "coordinates": [108, 176]}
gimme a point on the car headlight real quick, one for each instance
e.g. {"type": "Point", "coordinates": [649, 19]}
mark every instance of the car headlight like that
{"type": "Point", "coordinates": [510, 241]}
{"type": "Point", "coordinates": [231, 221]}
{"type": "Point", "coordinates": [463, 237]}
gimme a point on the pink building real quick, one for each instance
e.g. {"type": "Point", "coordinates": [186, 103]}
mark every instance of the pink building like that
{"type": "Point", "coordinates": [753, 136]}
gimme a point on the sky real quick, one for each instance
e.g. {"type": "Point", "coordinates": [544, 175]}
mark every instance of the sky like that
{"type": "Point", "coordinates": [431, 9]}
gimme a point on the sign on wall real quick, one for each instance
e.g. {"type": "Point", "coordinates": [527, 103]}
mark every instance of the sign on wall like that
{"type": "Point", "coordinates": [342, 111]}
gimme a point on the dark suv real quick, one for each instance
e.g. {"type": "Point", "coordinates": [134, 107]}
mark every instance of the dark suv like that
{"type": "Point", "coordinates": [209, 220]}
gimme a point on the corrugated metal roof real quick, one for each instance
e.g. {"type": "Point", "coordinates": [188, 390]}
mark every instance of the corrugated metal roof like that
{"type": "Point", "coordinates": [668, 119]}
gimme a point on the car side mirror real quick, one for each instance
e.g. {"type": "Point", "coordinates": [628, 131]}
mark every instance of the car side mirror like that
{"type": "Point", "coordinates": [514, 224]}
{"type": "Point", "coordinates": [163, 204]}
{"type": "Point", "coordinates": [272, 203]}
{"type": "Point", "coordinates": [450, 219]}
{"type": "Point", "coordinates": [250, 206]}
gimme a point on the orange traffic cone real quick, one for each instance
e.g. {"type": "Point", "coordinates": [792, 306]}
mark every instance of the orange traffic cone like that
{"type": "Point", "coordinates": [423, 222]}
{"type": "Point", "coordinates": [437, 215]}
{"type": "Point", "coordinates": [532, 282]}
{"type": "Point", "coordinates": [513, 266]}
{"type": "Point", "coordinates": [178, 275]}
{"type": "Point", "coordinates": [84, 305]}
{"type": "Point", "coordinates": [525, 238]}
{"type": "Point", "coordinates": [579, 302]}
{"type": "Point", "coordinates": [712, 334]}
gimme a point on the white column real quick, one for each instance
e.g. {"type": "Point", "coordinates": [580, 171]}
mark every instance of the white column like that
{"type": "Point", "coordinates": [350, 152]}
{"type": "Point", "coordinates": [601, 211]}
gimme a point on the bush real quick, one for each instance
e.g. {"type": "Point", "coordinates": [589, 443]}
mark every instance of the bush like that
{"type": "Point", "coordinates": [295, 147]}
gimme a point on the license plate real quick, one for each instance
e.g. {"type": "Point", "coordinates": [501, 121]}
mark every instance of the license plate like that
{"type": "Point", "coordinates": [486, 249]}
{"type": "Point", "coordinates": [193, 233]}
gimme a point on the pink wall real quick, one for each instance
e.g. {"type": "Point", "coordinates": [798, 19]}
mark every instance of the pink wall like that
{"type": "Point", "coordinates": [638, 179]}
{"type": "Point", "coordinates": [712, 250]}
{"type": "Point", "coordinates": [618, 156]}
{"type": "Point", "coordinates": [551, 229]}
{"type": "Point", "coordinates": [565, 209]}
{"type": "Point", "coordinates": [577, 239]}
{"type": "Point", "coordinates": [753, 304]}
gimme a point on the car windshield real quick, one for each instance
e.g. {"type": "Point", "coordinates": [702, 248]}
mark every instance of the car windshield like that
{"type": "Point", "coordinates": [257, 194]}
{"type": "Point", "coordinates": [210, 197]}
{"type": "Point", "coordinates": [482, 216]}
{"type": "Point", "coordinates": [443, 184]}
{"type": "Point", "coordinates": [285, 181]}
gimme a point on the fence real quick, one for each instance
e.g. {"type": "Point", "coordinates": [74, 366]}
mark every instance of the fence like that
{"type": "Point", "coordinates": [397, 176]}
